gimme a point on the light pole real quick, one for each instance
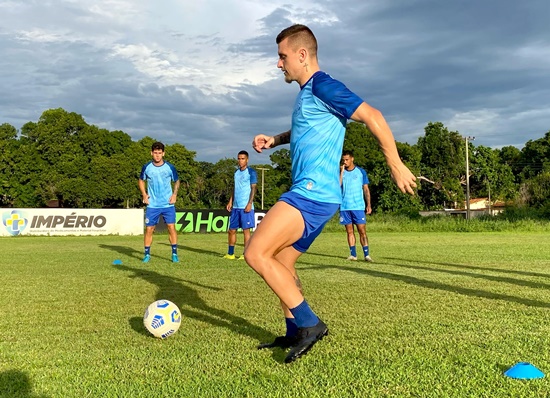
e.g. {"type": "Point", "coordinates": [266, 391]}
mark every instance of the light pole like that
{"type": "Point", "coordinates": [262, 169]}
{"type": "Point", "coordinates": [466, 140]}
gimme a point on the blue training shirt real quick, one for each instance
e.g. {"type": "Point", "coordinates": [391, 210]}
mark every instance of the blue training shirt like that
{"type": "Point", "coordinates": [159, 183]}
{"type": "Point", "coordinates": [243, 181]}
{"type": "Point", "coordinates": [353, 197]}
{"type": "Point", "coordinates": [319, 119]}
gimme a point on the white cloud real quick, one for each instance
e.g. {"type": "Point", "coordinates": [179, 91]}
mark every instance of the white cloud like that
{"type": "Point", "coordinates": [208, 68]}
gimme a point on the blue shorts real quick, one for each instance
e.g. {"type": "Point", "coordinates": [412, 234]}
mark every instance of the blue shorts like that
{"type": "Point", "coordinates": [152, 215]}
{"type": "Point", "coordinates": [240, 219]}
{"type": "Point", "coordinates": [315, 214]}
{"type": "Point", "coordinates": [352, 217]}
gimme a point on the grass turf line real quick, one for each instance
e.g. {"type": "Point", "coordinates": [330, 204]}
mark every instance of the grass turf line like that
{"type": "Point", "coordinates": [438, 314]}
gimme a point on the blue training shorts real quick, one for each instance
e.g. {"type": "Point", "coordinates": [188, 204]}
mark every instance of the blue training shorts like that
{"type": "Point", "coordinates": [240, 219]}
{"type": "Point", "coordinates": [152, 215]}
{"type": "Point", "coordinates": [352, 217]}
{"type": "Point", "coordinates": [315, 214]}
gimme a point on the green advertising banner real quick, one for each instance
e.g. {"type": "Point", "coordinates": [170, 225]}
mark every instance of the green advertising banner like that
{"type": "Point", "coordinates": [204, 221]}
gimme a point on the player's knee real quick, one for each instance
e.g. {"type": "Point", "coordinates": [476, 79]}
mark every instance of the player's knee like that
{"type": "Point", "coordinates": [255, 257]}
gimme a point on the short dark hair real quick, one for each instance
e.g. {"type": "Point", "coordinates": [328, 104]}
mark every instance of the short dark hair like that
{"type": "Point", "coordinates": [243, 153]}
{"type": "Point", "coordinates": [347, 152]}
{"type": "Point", "coordinates": [299, 35]}
{"type": "Point", "coordinates": [157, 145]}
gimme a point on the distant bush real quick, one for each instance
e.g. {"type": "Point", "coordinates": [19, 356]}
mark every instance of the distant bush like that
{"type": "Point", "coordinates": [513, 219]}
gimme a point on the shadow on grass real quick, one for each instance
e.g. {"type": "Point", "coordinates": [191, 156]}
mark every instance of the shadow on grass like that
{"type": "Point", "coordinates": [195, 250]}
{"type": "Point", "coordinates": [323, 255]}
{"type": "Point", "coordinates": [430, 284]}
{"type": "Point", "coordinates": [124, 250]}
{"type": "Point", "coordinates": [187, 298]}
{"type": "Point", "coordinates": [503, 279]}
{"type": "Point", "coordinates": [14, 383]}
{"type": "Point", "coordinates": [472, 267]}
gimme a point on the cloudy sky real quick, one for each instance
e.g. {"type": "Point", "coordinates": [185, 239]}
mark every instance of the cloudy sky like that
{"type": "Point", "coordinates": [203, 73]}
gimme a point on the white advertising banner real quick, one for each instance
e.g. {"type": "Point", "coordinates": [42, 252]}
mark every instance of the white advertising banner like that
{"type": "Point", "coordinates": [71, 222]}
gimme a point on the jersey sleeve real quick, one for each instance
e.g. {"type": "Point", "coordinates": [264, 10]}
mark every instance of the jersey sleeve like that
{"type": "Point", "coordinates": [174, 172]}
{"type": "Point", "coordinates": [336, 95]}
{"type": "Point", "coordinates": [253, 176]}
{"type": "Point", "coordinates": [143, 174]}
{"type": "Point", "coordinates": [365, 177]}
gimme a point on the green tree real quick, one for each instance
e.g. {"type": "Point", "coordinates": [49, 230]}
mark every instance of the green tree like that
{"type": "Point", "coordinates": [511, 156]}
{"type": "Point", "coordinates": [443, 164]}
{"type": "Point", "coordinates": [536, 191]}
{"type": "Point", "coordinates": [385, 196]}
{"type": "Point", "coordinates": [535, 157]}
{"type": "Point", "coordinates": [9, 148]}
{"type": "Point", "coordinates": [490, 176]}
{"type": "Point", "coordinates": [282, 170]}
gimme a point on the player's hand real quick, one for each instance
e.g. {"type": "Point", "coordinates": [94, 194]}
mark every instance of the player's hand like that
{"type": "Point", "coordinates": [173, 199]}
{"type": "Point", "coordinates": [262, 141]}
{"type": "Point", "coordinates": [146, 200]}
{"type": "Point", "coordinates": [404, 179]}
{"type": "Point", "coordinates": [368, 210]}
{"type": "Point", "coordinates": [248, 208]}
{"type": "Point", "coordinates": [228, 207]}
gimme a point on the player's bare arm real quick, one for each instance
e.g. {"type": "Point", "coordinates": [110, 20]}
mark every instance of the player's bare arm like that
{"type": "Point", "coordinates": [174, 196]}
{"type": "Point", "coordinates": [262, 141]}
{"type": "Point", "coordinates": [375, 122]}
{"type": "Point", "coordinates": [230, 204]}
{"type": "Point", "coordinates": [144, 196]}
{"type": "Point", "coordinates": [366, 192]}
{"type": "Point", "coordinates": [251, 198]}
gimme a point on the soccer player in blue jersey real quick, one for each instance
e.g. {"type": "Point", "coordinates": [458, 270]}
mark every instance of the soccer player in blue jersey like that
{"type": "Point", "coordinates": [157, 177]}
{"type": "Point", "coordinates": [241, 204]}
{"type": "Point", "coordinates": [319, 119]}
{"type": "Point", "coordinates": [355, 191]}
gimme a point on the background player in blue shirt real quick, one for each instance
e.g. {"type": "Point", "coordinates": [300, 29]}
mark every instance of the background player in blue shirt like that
{"type": "Point", "coordinates": [159, 198]}
{"type": "Point", "coordinates": [316, 137]}
{"type": "Point", "coordinates": [241, 204]}
{"type": "Point", "coordinates": [355, 191]}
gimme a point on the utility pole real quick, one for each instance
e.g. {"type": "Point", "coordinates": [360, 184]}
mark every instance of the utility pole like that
{"type": "Point", "coordinates": [467, 139]}
{"type": "Point", "coordinates": [262, 169]}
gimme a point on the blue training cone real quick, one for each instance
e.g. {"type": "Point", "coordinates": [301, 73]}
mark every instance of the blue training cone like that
{"type": "Point", "coordinates": [524, 370]}
{"type": "Point", "coordinates": [117, 262]}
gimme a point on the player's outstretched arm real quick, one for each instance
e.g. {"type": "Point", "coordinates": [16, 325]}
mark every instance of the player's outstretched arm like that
{"type": "Point", "coordinates": [375, 122]}
{"type": "Point", "coordinates": [262, 141]}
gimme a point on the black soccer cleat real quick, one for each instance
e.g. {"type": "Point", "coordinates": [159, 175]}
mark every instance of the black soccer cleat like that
{"type": "Point", "coordinates": [305, 339]}
{"type": "Point", "coordinates": [280, 342]}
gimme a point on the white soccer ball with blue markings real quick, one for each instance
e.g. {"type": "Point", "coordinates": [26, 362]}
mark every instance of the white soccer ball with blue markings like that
{"type": "Point", "coordinates": [162, 318]}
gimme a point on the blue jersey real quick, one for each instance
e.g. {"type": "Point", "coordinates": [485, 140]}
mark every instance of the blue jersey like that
{"type": "Point", "coordinates": [159, 183]}
{"type": "Point", "coordinates": [321, 111]}
{"type": "Point", "coordinates": [243, 181]}
{"type": "Point", "coordinates": [353, 197]}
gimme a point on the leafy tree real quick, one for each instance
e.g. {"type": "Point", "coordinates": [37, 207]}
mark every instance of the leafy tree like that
{"type": "Point", "coordinates": [9, 147]}
{"type": "Point", "coordinates": [490, 177]}
{"type": "Point", "coordinates": [385, 196]}
{"type": "Point", "coordinates": [282, 165]}
{"type": "Point", "coordinates": [443, 164]}
{"type": "Point", "coordinates": [535, 157]}
{"type": "Point", "coordinates": [220, 182]}
{"type": "Point", "coordinates": [187, 168]}
{"type": "Point", "coordinates": [536, 191]}
{"type": "Point", "coordinates": [511, 156]}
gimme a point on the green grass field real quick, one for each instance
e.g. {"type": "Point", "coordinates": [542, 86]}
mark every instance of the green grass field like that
{"type": "Point", "coordinates": [437, 315]}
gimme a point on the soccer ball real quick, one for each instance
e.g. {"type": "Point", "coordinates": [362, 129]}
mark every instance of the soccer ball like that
{"type": "Point", "coordinates": [162, 318]}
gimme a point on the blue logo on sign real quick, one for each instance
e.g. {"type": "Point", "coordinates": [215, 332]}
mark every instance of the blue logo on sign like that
{"type": "Point", "coordinates": [15, 221]}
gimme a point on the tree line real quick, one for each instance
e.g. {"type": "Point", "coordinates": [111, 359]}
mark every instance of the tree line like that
{"type": "Point", "coordinates": [62, 158]}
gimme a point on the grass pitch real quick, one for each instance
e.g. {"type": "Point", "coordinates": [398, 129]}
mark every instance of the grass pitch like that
{"type": "Point", "coordinates": [437, 315]}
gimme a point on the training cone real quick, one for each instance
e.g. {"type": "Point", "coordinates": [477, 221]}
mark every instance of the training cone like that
{"type": "Point", "coordinates": [117, 262]}
{"type": "Point", "coordinates": [524, 370]}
